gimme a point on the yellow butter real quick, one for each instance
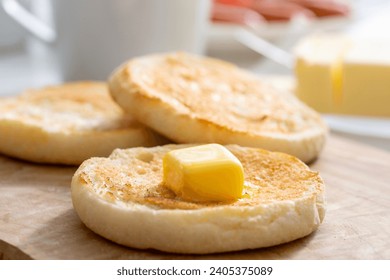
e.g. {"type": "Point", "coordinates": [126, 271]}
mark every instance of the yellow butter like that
{"type": "Point", "coordinates": [366, 79]}
{"type": "Point", "coordinates": [204, 173]}
{"type": "Point", "coordinates": [318, 69]}
{"type": "Point", "coordinates": [337, 74]}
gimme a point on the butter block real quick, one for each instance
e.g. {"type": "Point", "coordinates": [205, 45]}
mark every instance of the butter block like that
{"type": "Point", "coordinates": [337, 74]}
{"type": "Point", "coordinates": [317, 67]}
{"type": "Point", "coordinates": [203, 173]}
{"type": "Point", "coordinates": [366, 79]}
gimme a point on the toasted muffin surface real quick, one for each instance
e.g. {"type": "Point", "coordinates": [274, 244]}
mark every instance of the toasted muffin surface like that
{"type": "Point", "coordinates": [123, 199]}
{"type": "Point", "coordinates": [73, 107]}
{"type": "Point", "coordinates": [136, 176]}
{"type": "Point", "coordinates": [216, 102]}
{"type": "Point", "coordinates": [67, 124]}
{"type": "Point", "coordinates": [218, 92]}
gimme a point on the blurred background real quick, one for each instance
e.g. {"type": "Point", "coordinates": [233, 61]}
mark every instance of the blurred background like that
{"type": "Point", "coordinates": [284, 22]}
{"type": "Point", "coordinates": [50, 41]}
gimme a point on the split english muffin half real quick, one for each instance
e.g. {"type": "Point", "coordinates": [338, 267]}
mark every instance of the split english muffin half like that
{"type": "Point", "coordinates": [67, 124]}
{"type": "Point", "coordinates": [123, 198]}
{"type": "Point", "coordinates": [193, 99]}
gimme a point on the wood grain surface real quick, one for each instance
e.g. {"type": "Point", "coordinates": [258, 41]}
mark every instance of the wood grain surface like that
{"type": "Point", "coordinates": [37, 220]}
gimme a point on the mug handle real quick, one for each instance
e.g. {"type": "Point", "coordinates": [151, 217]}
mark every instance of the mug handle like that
{"type": "Point", "coordinates": [29, 21]}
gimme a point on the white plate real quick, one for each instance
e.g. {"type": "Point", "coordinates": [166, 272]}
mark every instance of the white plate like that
{"type": "Point", "coordinates": [364, 126]}
{"type": "Point", "coordinates": [373, 131]}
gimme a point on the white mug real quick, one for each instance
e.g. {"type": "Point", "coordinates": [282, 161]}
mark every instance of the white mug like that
{"type": "Point", "coordinates": [90, 38]}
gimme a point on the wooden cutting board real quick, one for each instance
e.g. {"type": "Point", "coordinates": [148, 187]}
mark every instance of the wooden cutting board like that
{"type": "Point", "coordinates": [37, 220]}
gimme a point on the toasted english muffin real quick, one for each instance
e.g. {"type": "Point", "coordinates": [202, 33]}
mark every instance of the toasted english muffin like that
{"type": "Point", "coordinates": [122, 198]}
{"type": "Point", "coordinates": [67, 124]}
{"type": "Point", "coordinates": [191, 99]}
